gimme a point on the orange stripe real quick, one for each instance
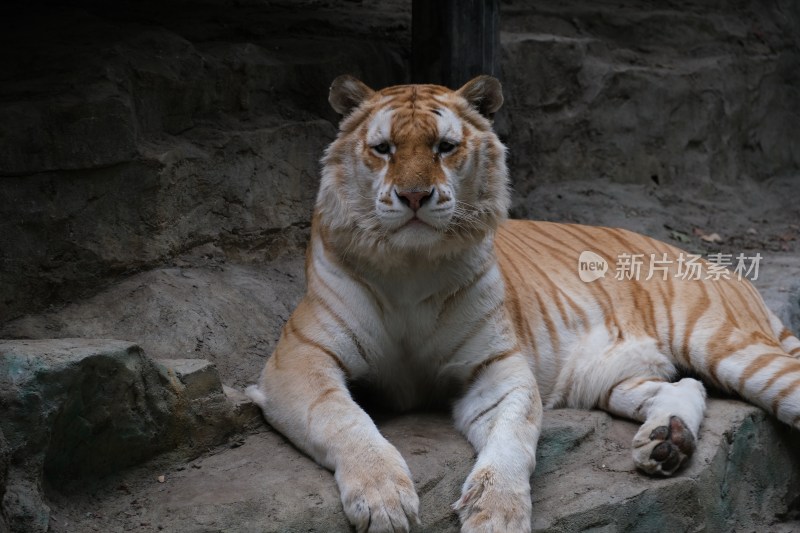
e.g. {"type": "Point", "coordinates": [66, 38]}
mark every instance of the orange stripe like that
{"type": "Point", "coordinates": [321, 398]}
{"type": "Point", "coordinates": [698, 309]}
{"type": "Point", "coordinates": [755, 365]}
{"type": "Point", "coordinates": [605, 300]}
{"type": "Point", "coordinates": [291, 329]}
{"type": "Point", "coordinates": [493, 406]}
{"type": "Point", "coordinates": [555, 340]}
{"type": "Point", "coordinates": [343, 324]}
{"type": "Point", "coordinates": [791, 366]}
{"type": "Point", "coordinates": [786, 391]}
{"type": "Point", "coordinates": [483, 365]}
{"type": "Point", "coordinates": [558, 254]}
{"type": "Point", "coordinates": [528, 337]}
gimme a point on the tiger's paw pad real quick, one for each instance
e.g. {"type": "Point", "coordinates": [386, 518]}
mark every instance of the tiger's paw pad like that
{"type": "Point", "coordinates": [664, 448]}
{"type": "Point", "coordinates": [486, 506]}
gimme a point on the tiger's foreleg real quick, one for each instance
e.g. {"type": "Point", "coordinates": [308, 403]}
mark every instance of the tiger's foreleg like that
{"type": "Point", "coordinates": [303, 394]}
{"type": "Point", "coordinates": [501, 416]}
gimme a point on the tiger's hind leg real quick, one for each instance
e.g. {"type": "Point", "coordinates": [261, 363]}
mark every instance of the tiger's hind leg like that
{"type": "Point", "coordinates": [671, 414]}
{"type": "Point", "coordinates": [631, 378]}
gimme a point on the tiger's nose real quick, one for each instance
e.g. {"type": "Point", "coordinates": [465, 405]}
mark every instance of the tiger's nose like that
{"type": "Point", "coordinates": [414, 198]}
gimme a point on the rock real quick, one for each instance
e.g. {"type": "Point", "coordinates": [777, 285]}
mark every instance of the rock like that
{"type": "Point", "coordinates": [70, 133]}
{"type": "Point", "coordinates": [682, 95]}
{"type": "Point", "coordinates": [744, 476]}
{"type": "Point", "coordinates": [226, 313]}
{"type": "Point", "coordinates": [77, 409]}
{"type": "Point", "coordinates": [194, 378]}
{"type": "Point", "coordinates": [174, 136]}
{"type": "Point", "coordinates": [4, 464]}
{"type": "Point", "coordinates": [205, 127]}
{"type": "Point", "coordinates": [202, 415]}
{"type": "Point", "coordinates": [246, 414]}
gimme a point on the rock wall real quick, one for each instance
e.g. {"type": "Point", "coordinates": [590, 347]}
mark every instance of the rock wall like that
{"type": "Point", "coordinates": [135, 131]}
{"type": "Point", "coordinates": [678, 93]}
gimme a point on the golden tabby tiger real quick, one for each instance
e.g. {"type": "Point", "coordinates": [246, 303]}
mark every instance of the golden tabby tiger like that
{"type": "Point", "coordinates": [418, 287]}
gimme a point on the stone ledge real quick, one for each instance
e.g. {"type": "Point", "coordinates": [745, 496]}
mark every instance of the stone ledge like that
{"type": "Point", "coordinates": [744, 477]}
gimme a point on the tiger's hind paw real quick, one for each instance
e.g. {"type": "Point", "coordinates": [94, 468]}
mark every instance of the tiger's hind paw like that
{"type": "Point", "coordinates": [662, 449]}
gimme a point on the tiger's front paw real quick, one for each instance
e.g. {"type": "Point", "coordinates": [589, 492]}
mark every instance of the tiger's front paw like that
{"type": "Point", "coordinates": [491, 504]}
{"type": "Point", "coordinates": [378, 494]}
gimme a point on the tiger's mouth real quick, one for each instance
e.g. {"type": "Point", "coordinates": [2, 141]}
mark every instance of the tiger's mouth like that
{"type": "Point", "coordinates": [416, 222]}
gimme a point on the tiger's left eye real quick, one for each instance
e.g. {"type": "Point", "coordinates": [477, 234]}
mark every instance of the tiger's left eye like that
{"type": "Point", "coordinates": [445, 147]}
{"type": "Point", "coordinates": [382, 148]}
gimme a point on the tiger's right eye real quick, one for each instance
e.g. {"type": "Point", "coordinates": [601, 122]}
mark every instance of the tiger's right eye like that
{"type": "Point", "coordinates": [382, 148]}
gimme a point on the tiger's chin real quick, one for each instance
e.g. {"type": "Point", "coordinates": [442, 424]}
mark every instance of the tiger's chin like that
{"type": "Point", "coordinates": [416, 234]}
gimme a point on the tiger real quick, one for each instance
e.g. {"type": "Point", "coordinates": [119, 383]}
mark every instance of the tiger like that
{"type": "Point", "coordinates": [421, 290]}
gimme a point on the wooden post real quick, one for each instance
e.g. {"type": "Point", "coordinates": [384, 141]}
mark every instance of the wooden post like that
{"type": "Point", "coordinates": [452, 41]}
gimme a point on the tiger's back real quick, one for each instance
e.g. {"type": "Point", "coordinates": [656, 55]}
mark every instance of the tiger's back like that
{"type": "Point", "coordinates": [714, 325]}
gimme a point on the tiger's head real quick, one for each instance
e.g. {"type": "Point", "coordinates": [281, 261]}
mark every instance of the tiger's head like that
{"type": "Point", "coordinates": [415, 169]}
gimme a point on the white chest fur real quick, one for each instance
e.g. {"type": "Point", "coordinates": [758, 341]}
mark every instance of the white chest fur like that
{"type": "Point", "coordinates": [420, 329]}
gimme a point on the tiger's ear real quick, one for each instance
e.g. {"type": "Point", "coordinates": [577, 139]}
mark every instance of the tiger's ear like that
{"type": "Point", "coordinates": [484, 93]}
{"type": "Point", "coordinates": [347, 93]}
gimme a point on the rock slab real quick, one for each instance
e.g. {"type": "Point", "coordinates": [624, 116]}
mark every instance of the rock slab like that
{"type": "Point", "coordinates": [745, 476]}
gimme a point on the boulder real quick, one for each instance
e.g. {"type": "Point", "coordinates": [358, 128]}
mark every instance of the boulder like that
{"type": "Point", "coordinates": [78, 409]}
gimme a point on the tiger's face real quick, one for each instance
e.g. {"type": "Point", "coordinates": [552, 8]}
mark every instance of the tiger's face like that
{"type": "Point", "coordinates": [415, 168]}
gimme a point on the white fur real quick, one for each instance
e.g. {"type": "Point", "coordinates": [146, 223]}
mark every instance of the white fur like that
{"type": "Point", "coordinates": [449, 125]}
{"type": "Point", "coordinates": [380, 128]}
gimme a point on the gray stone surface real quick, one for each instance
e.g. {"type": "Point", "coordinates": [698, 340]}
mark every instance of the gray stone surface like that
{"type": "Point", "coordinates": [745, 476]}
{"type": "Point", "coordinates": [682, 93]}
{"type": "Point", "coordinates": [4, 463]}
{"type": "Point", "coordinates": [245, 413]}
{"type": "Point", "coordinates": [226, 313]}
{"type": "Point", "coordinates": [77, 409]}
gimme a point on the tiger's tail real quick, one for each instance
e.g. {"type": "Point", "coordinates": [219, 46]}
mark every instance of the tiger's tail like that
{"type": "Point", "coordinates": [765, 371]}
{"type": "Point", "coordinates": [789, 342]}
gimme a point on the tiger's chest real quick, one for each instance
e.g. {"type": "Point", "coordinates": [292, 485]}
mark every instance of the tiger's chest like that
{"type": "Point", "coordinates": [429, 339]}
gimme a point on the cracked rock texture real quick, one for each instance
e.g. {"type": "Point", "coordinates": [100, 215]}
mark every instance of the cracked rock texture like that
{"type": "Point", "coordinates": [162, 126]}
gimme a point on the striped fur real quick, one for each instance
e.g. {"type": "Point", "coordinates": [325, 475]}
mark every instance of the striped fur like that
{"type": "Point", "coordinates": [419, 288]}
